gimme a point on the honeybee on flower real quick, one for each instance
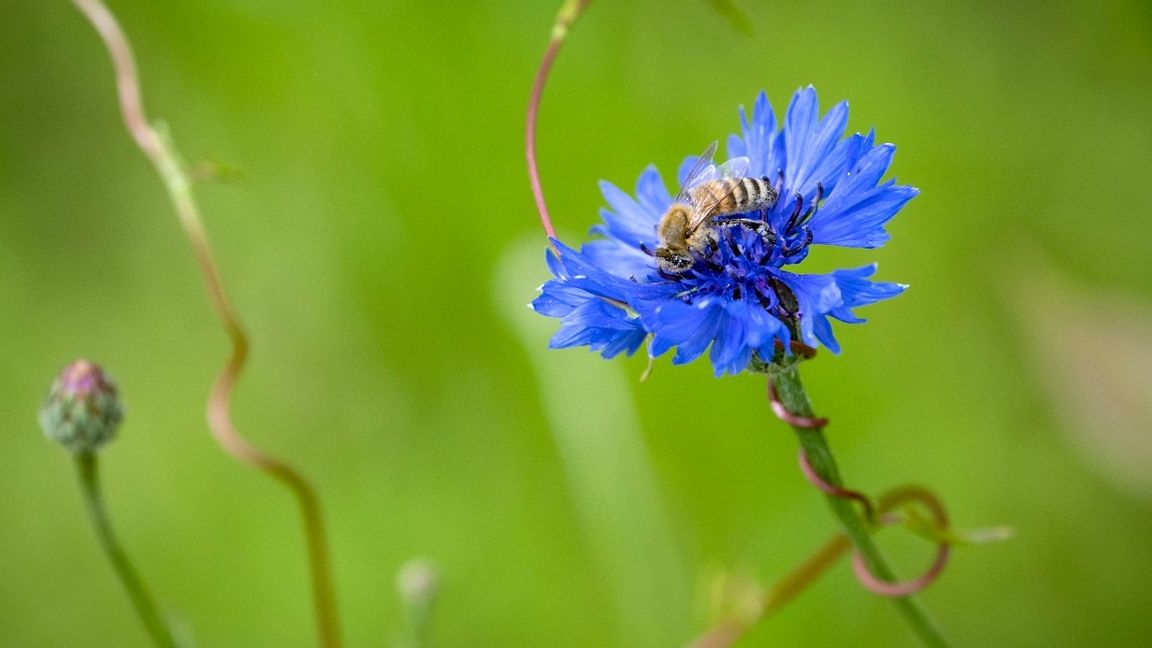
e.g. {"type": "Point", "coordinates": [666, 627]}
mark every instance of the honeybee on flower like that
{"type": "Point", "coordinates": [737, 297]}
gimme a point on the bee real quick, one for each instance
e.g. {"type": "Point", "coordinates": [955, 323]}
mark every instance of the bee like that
{"type": "Point", "coordinates": [709, 193]}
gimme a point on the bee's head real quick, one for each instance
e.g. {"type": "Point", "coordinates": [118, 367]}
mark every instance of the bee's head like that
{"type": "Point", "coordinates": [673, 228]}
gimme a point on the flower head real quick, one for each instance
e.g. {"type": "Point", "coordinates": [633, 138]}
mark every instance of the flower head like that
{"type": "Point", "coordinates": [82, 410]}
{"type": "Point", "coordinates": [737, 296]}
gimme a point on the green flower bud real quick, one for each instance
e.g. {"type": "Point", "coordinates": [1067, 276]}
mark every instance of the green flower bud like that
{"type": "Point", "coordinates": [82, 410]}
{"type": "Point", "coordinates": [418, 582]}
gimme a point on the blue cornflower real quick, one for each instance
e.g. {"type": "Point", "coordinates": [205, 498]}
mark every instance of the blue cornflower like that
{"type": "Point", "coordinates": [737, 296]}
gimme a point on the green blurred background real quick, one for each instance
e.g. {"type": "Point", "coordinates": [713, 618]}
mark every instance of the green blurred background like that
{"type": "Point", "coordinates": [382, 247]}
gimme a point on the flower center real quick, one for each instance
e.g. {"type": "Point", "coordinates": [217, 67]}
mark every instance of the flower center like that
{"type": "Point", "coordinates": [744, 257]}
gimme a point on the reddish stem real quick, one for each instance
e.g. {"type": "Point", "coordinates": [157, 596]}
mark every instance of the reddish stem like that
{"type": "Point", "coordinates": [168, 165]}
{"type": "Point", "coordinates": [530, 135]}
{"type": "Point", "coordinates": [903, 588]}
{"type": "Point", "coordinates": [834, 490]}
{"type": "Point", "coordinates": [568, 14]}
{"type": "Point", "coordinates": [859, 566]}
{"type": "Point", "coordinates": [889, 501]}
{"type": "Point", "coordinates": [795, 420]}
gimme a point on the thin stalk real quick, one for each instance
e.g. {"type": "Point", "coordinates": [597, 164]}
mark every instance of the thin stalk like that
{"type": "Point", "coordinates": [159, 149]}
{"type": "Point", "coordinates": [791, 392]}
{"type": "Point", "coordinates": [782, 592]}
{"type": "Point", "coordinates": [88, 473]}
{"type": "Point", "coordinates": [568, 14]}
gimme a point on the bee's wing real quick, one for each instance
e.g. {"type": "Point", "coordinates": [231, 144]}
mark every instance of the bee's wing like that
{"type": "Point", "coordinates": [700, 217]}
{"type": "Point", "coordinates": [701, 172]}
{"type": "Point", "coordinates": [705, 208]}
{"type": "Point", "coordinates": [735, 168]}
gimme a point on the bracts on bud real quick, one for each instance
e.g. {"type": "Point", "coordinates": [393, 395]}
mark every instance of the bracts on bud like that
{"type": "Point", "coordinates": [82, 409]}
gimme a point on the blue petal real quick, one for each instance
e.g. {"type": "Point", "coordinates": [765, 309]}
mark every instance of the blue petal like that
{"type": "Point", "coordinates": [810, 140]}
{"type": "Point", "coordinates": [651, 192]}
{"type": "Point", "coordinates": [835, 295]}
{"type": "Point", "coordinates": [553, 262]}
{"type": "Point", "coordinates": [578, 271]}
{"type": "Point", "coordinates": [610, 297]}
{"type": "Point", "coordinates": [557, 299]}
{"type": "Point", "coordinates": [629, 220]}
{"type": "Point", "coordinates": [618, 259]}
{"type": "Point", "coordinates": [737, 148]}
{"type": "Point", "coordinates": [697, 343]}
{"type": "Point", "coordinates": [760, 138]}
{"type": "Point", "coordinates": [799, 121]}
{"type": "Point", "coordinates": [600, 326]}
{"type": "Point", "coordinates": [835, 164]}
{"type": "Point", "coordinates": [685, 168]}
{"type": "Point", "coordinates": [731, 351]}
{"type": "Point", "coordinates": [822, 330]}
{"type": "Point", "coordinates": [816, 295]}
{"type": "Point", "coordinates": [857, 290]}
{"type": "Point", "coordinates": [855, 212]}
{"type": "Point", "coordinates": [689, 328]}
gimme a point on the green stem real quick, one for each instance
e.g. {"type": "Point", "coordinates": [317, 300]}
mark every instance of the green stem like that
{"type": "Point", "coordinates": [90, 487]}
{"type": "Point", "coordinates": [791, 392]}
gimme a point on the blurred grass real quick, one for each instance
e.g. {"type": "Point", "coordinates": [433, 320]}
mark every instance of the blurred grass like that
{"type": "Point", "coordinates": [381, 145]}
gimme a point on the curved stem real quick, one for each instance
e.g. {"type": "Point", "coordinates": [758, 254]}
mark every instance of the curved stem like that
{"type": "Point", "coordinates": [88, 472]}
{"type": "Point", "coordinates": [564, 20]}
{"type": "Point", "coordinates": [791, 392]}
{"type": "Point", "coordinates": [832, 489]}
{"type": "Point", "coordinates": [164, 157]}
{"type": "Point", "coordinates": [940, 526]}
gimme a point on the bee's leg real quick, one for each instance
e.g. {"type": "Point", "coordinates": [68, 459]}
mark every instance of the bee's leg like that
{"type": "Point", "coordinates": [768, 234]}
{"type": "Point", "coordinates": [762, 228]}
{"type": "Point", "coordinates": [751, 223]}
{"type": "Point", "coordinates": [774, 188]}
{"type": "Point", "coordinates": [711, 242]}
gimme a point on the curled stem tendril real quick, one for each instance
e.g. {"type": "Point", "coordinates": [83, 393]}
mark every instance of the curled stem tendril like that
{"type": "Point", "coordinates": [898, 496]}
{"type": "Point", "coordinates": [836, 491]}
{"type": "Point", "coordinates": [160, 151]}
{"type": "Point", "coordinates": [791, 403]}
{"type": "Point", "coordinates": [887, 502]}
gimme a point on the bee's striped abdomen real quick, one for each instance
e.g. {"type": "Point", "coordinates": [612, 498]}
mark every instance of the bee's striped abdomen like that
{"type": "Point", "coordinates": [734, 195]}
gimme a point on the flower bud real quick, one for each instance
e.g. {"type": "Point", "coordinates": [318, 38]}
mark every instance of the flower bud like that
{"type": "Point", "coordinates": [82, 410]}
{"type": "Point", "coordinates": [418, 582]}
